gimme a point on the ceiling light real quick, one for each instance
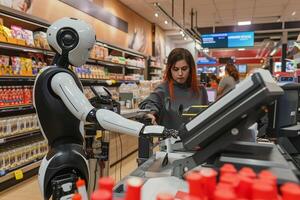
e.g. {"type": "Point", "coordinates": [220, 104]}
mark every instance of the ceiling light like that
{"type": "Point", "coordinates": [156, 14]}
{"type": "Point", "coordinates": [294, 13]}
{"type": "Point", "coordinates": [184, 38]}
{"type": "Point", "coordinates": [181, 32]}
{"type": "Point", "coordinates": [243, 23]}
{"type": "Point", "coordinates": [241, 49]}
{"type": "Point", "coordinates": [166, 22]}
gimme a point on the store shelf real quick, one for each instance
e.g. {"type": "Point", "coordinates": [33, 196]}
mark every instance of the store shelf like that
{"type": "Point", "coordinates": [24, 168]}
{"type": "Point", "coordinates": [154, 74]}
{"type": "Point", "coordinates": [155, 67]}
{"type": "Point", "coordinates": [110, 64]}
{"type": "Point", "coordinates": [20, 136]}
{"type": "Point", "coordinates": [16, 110]}
{"type": "Point", "coordinates": [87, 82]}
{"type": "Point", "coordinates": [16, 80]}
{"type": "Point", "coordinates": [27, 49]}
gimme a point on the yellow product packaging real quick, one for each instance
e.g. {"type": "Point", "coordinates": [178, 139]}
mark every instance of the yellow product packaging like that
{"type": "Point", "coordinates": [23, 66]}
{"type": "Point", "coordinates": [28, 62]}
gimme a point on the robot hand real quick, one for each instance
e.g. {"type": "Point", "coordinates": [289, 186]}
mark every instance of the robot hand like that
{"type": "Point", "coordinates": [114, 122]}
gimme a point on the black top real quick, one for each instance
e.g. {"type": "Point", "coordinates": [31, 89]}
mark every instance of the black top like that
{"type": "Point", "coordinates": [59, 125]}
{"type": "Point", "coordinates": [167, 110]}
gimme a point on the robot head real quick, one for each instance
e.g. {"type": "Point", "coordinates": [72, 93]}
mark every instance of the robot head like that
{"type": "Point", "coordinates": [72, 38]}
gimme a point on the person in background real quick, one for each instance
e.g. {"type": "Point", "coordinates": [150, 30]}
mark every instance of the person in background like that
{"type": "Point", "coordinates": [214, 81]}
{"type": "Point", "coordinates": [178, 91]}
{"type": "Point", "coordinates": [230, 79]}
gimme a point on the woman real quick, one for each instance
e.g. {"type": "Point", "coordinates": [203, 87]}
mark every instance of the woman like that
{"type": "Point", "coordinates": [178, 91]}
{"type": "Point", "coordinates": [230, 79]}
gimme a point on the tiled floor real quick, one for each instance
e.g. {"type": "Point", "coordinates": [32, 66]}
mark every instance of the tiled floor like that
{"type": "Point", "coordinates": [29, 189]}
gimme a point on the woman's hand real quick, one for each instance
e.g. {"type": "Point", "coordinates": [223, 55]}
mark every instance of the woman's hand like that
{"type": "Point", "coordinates": [152, 117]}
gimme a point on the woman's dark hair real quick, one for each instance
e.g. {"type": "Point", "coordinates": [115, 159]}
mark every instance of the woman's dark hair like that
{"type": "Point", "coordinates": [176, 55]}
{"type": "Point", "coordinates": [232, 71]}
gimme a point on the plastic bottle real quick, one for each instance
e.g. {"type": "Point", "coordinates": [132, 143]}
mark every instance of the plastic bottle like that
{"type": "Point", "coordinates": [134, 186]}
{"type": "Point", "coordinates": [82, 189]}
{"type": "Point", "coordinates": [290, 191]}
{"type": "Point", "coordinates": [244, 188]}
{"type": "Point", "coordinates": [195, 181]}
{"type": "Point", "coordinates": [106, 183]}
{"type": "Point", "coordinates": [263, 191]}
{"type": "Point", "coordinates": [101, 195]}
{"type": "Point", "coordinates": [209, 177]}
{"type": "Point", "coordinates": [224, 194]}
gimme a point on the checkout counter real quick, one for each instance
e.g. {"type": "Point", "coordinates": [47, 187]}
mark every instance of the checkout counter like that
{"type": "Point", "coordinates": [219, 135]}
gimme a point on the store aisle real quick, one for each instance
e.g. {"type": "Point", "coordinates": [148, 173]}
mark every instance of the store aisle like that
{"type": "Point", "coordinates": [29, 189]}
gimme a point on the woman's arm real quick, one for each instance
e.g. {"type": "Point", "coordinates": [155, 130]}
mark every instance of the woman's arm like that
{"type": "Point", "coordinates": [221, 86]}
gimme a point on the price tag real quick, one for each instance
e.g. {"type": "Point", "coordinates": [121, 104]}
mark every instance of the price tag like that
{"type": "Point", "coordinates": [18, 174]}
{"type": "Point", "coordinates": [2, 140]}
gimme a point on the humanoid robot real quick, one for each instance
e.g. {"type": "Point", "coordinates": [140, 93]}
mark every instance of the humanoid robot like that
{"type": "Point", "coordinates": [62, 109]}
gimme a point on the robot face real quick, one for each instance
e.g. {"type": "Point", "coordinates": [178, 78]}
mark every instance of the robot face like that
{"type": "Point", "coordinates": [73, 37]}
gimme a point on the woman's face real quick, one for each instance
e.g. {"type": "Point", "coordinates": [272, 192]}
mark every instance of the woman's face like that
{"type": "Point", "coordinates": [180, 71]}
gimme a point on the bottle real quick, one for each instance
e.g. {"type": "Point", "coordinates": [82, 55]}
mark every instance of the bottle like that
{"type": "Point", "coordinates": [134, 186]}
{"type": "Point", "coordinates": [290, 191]}
{"type": "Point", "coordinates": [106, 183]}
{"type": "Point", "coordinates": [82, 189]}
{"type": "Point", "coordinates": [101, 195]}
{"type": "Point", "coordinates": [195, 181]}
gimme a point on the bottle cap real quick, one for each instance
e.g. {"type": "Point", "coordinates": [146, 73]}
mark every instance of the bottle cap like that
{"type": "Point", "coordinates": [76, 197]}
{"type": "Point", "coordinates": [228, 168]}
{"type": "Point", "coordinates": [247, 171]}
{"type": "Point", "coordinates": [134, 186]}
{"type": "Point", "coordinates": [101, 195]}
{"type": "Point", "coordinates": [80, 182]}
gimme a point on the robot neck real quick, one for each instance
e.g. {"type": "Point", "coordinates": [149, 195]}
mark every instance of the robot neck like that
{"type": "Point", "coordinates": [61, 60]}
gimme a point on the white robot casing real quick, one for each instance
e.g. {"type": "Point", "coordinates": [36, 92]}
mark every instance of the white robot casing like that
{"type": "Point", "coordinates": [86, 34]}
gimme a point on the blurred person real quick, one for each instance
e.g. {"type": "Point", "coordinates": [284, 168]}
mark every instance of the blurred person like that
{"type": "Point", "coordinates": [178, 91]}
{"type": "Point", "coordinates": [230, 79]}
{"type": "Point", "coordinates": [214, 81]}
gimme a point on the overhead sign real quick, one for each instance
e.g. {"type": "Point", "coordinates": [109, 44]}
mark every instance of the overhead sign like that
{"type": "Point", "coordinates": [228, 40]}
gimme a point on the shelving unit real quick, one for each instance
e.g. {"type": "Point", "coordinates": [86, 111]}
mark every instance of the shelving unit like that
{"type": "Point", "coordinates": [154, 70]}
{"type": "Point", "coordinates": [20, 136]}
{"type": "Point", "coordinates": [12, 17]}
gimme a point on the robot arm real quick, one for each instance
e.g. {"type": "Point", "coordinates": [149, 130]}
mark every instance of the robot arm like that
{"type": "Point", "coordinates": [65, 87]}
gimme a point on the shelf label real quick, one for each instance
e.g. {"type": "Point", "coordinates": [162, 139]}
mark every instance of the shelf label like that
{"type": "Point", "coordinates": [18, 174]}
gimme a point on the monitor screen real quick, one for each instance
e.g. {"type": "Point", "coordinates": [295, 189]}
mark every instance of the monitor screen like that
{"type": "Point", "coordinates": [228, 40]}
{"type": "Point", "coordinates": [290, 66]}
{"type": "Point", "coordinates": [242, 68]}
{"type": "Point", "coordinates": [211, 94]}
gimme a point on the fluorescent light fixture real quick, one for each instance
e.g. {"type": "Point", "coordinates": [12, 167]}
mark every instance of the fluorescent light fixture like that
{"type": "Point", "coordinates": [166, 22]}
{"type": "Point", "coordinates": [241, 49]}
{"type": "Point", "coordinates": [156, 14]}
{"type": "Point", "coordinates": [294, 13]}
{"type": "Point", "coordinates": [243, 23]}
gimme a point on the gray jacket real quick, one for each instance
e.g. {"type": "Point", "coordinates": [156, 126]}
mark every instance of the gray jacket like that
{"type": "Point", "coordinates": [159, 102]}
